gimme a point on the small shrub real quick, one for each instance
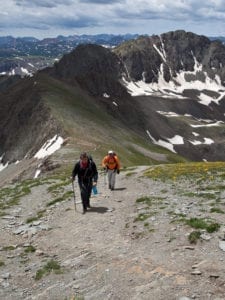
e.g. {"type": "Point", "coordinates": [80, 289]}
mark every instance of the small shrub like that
{"type": "Point", "coordinates": [213, 227]}
{"type": "Point", "coordinates": [143, 199]}
{"type": "Point", "coordinates": [142, 217]}
{"type": "Point", "coordinates": [31, 219]}
{"type": "Point", "coordinates": [9, 248]}
{"type": "Point", "coordinates": [216, 210]}
{"type": "Point", "coordinates": [194, 236]}
{"type": "Point", "coordinates": [130, 174]}
{"type": "Point", "coordinates": [47, 269]}
{"type": "Point", "coordinates": [203, 224]}
{"type": "Point", "coordinates": [29, 249]}
{"type": "Point", "coordinates": [40, 214]}
{"type": "Point", "coordinates": [2, 263]}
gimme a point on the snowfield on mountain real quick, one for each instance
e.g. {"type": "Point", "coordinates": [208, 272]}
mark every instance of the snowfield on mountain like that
{"type": "Point", "coordinates": [159, 235]}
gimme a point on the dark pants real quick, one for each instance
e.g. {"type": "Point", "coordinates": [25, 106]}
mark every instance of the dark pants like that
{"type": "Point", "coordinates": [85, 192]}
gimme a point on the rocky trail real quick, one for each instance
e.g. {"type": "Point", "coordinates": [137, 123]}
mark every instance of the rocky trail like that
{"type": "Point", "coordinates": [131, 244]}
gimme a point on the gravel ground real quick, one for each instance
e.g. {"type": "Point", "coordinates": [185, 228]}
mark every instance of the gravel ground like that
{"type": "Point", "coordinates": [111, 252]}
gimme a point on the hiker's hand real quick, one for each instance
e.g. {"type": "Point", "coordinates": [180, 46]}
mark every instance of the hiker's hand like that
{"type": "Point", "coordinates": [118, 171]}
{"type": "Point", "coordinates": [72, 178]}
{"type": "Point", "coordinates": [94, 183]}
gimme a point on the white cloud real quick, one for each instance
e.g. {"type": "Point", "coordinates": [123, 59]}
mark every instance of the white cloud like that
{"type": "Point", "coordinates": [42, 18]}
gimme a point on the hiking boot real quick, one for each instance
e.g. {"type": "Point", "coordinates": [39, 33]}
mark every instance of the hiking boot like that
{"type": "Point", "coordinates": [84, 211]}
{"type": "Point", "coordinates": [110, 187]}
{"type": "Point", "coordinates": [88, 206]}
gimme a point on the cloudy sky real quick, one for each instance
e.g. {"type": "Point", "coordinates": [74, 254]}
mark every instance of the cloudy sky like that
{"type": "Point", "coordinates": [50, 18]}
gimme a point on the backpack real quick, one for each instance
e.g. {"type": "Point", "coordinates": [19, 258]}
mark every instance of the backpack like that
{"type": "Point", "coordinates": [90, 157]}
{"type": "Point", "coordinates": [111, 157]}
{"type": "Point", "coordinates": [112, 160]}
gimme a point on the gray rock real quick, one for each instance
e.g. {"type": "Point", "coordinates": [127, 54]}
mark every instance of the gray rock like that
{"type": "Point", "coordinates": [222, 245]}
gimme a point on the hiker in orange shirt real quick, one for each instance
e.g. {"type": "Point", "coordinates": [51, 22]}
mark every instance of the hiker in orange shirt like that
{"type": "Point", "coordinates": [111, 164]}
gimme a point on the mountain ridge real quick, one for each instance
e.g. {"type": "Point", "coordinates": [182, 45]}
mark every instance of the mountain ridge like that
{"type": "Point", "coordinates": [126, 91]}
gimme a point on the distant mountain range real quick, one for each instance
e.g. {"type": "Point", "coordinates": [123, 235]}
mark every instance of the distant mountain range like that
{"type": "Point", "coordinates": [24, 56]}
{"type": "Point", "coordinates": [152, 99]}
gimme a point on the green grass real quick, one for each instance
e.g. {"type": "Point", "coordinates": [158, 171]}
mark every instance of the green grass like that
{"type": "Point", "coordinates": [144, 199]}
{"type": "Point", "coordinates": [29, 249]}
{"type": "Point", "coordinates": [65, 196]}
{"type": "Point", "coordinates": [131, 174]}
{"type": "Point", "coordinates": [51, 266]}
{"type": "Point", "coordinates": [194, 237]}
{"type": "Point", "coordinates": [9, 248]}
{"type": "Point", "coordinates": [149, 200]}
{"type": "Point", "coordinates": [216, 210]}
{"type": "Point", "coordinates": [200, 195]}
{"type": "Point", "coordinates": [40, 214]}
{"type": "Point", "coordinates": [2, 263]}
{"type": "Point", "coordinates": [59, 187]}
{"type": "Point", "coordinates": [192, 170]}
{"type": "Point", "coordinates": [200, 223]}
{"type": "Point", "coordinates": [142, 217]}
{"type": "Point", "coordinates": [11, 196]}
{"type": "Point", "coordinates": [218, 187]}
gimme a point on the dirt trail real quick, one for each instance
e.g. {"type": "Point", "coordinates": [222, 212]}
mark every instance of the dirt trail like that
{"type": "Point", "coordinates": [109, 254]}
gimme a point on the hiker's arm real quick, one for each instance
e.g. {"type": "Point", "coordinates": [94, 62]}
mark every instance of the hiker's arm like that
{"type": "Point", "coordinates": [95, 171]}
{"type": "Point", "coordinates": [118, 164]}
{"type": "Point", "coordinates": [104, 163]}
{"type": "Point", "coordinates": [75, 171]}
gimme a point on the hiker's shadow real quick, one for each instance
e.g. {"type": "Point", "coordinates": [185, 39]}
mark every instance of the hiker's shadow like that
{"type": "Point", "coordinates": [99, 209]}
{"type": "Point", "coordinates": [120, 189]}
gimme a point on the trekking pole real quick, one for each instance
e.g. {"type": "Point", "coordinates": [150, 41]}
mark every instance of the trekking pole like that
{"type": "Point", "coordinates": [74, 195]}
{"type": "Point", "coordinates": [105, 174]}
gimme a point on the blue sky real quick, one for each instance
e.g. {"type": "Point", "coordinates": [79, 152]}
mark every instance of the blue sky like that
{"type": "Point", "coordinates": [50, 18]}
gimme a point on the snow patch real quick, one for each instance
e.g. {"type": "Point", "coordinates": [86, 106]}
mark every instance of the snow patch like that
{"type": "Point", "coordinates": [175, 87]}
{"type": "Point", "coordinates": [207, 125]}
{"type": "Point", "coordinates": [106, 95]}
{"type": "Point", "coordinates": [207, 141]}
{"type": "Point", "coordinates": [49, 147]}
{"type": "Point", "coordinates": [161, 143]}
{"type": "Point", "coordinates": [37, 173]}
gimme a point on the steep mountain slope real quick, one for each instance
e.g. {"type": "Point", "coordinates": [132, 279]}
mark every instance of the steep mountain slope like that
{"type": "Point", "coordinates": [25, 121]}
{"type": "Point", "coordinates": [147, 57]}
{"type": "Point", "coordinates": [39, 108]}
{"type": "Point", "coordinates": [179, 75]}
{"type": "Point", "coordinates": [165, 91]}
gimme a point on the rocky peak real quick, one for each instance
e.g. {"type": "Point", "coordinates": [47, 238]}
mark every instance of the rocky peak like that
{"type": "Point", "coordinates": [169, 54]}
{"type": "Point", "coordinates": [92, 67]}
